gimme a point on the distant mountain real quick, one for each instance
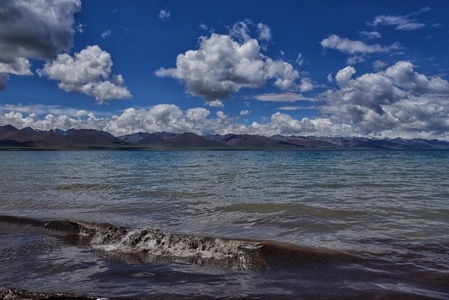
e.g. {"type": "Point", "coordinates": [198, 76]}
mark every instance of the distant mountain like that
{"type": "Point", "coordinates": [28, 138]}
{"type": "Point", "coordinates": [164, 140]}
{"type": "Point", "coordinates": [31, 139]}
{"type": "Point", "coordinates": [294, 142]}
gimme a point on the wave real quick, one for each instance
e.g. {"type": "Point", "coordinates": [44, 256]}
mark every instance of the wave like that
{"type": "Point", "coordinates": [153, 245]}
{"type": "Point", "coordinates": [379, 273]}
{"type": "Point", "coordinates": [144, 244]}
{"type": "Point", "coordinates": [156, 246]}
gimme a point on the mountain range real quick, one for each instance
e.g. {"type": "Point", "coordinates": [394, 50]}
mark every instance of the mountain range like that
{"type": "Point", "coordinates": [28, 138]}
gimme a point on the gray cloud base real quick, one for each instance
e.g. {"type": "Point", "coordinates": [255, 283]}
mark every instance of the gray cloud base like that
{"type": "Point", "coordinates": [37, 29]}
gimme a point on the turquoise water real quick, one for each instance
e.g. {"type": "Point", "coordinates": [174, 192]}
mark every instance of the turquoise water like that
{"type": "Point", "coordinates": [390, 205]}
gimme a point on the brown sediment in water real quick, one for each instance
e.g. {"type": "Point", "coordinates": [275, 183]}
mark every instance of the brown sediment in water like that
{"type": "Point", "coordinates": [14, 294]}
{"type": "Point", "coordinates": [163, 259]}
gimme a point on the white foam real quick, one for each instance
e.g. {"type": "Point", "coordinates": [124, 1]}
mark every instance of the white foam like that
{"type": "Point", "coordinates": [158, 243]}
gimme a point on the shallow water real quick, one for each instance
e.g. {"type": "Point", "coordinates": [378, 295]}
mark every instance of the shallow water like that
{"type": "Point", "coordinates": [290, 224]}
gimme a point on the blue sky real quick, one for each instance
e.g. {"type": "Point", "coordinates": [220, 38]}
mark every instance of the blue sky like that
{"type": "Point", "coordinates": [324, 68]}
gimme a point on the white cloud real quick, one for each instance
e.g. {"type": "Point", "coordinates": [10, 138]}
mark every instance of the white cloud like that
{"type": "Point", "coordinates": [398, 99]}
{"type": "Point", "coordinates": [425, 114]}
{"type": "Point", "coordinates": [379, 65]}
{"type": "Point", "coordinates": [290, 107]}
{"type": "Point", "coordinates": [370, 34]}
{"type": "Point", "coordinates": [355, 59]}
{"type": "Point", "coordinates": [164, 14]}
{"type": "Point", "coordinates": [300, 59]}
{"type": "Point", "coordinates": [40, 109]}
{"type": "Point", "coordinates": [215, 103]}
{"type": "Point", "coordinates": [19, 66]}
{"type": "Point", "coordinates": [354, 47]}
{"type": "Point", "coordinates": [81, 113]}
{"type": "Point", "coordinates": [36, 29]}
{"type": "Point", "coordinates": [106, 34]}
{"type": "Point", "coordinates": [50, 121]}
{"type": "Point", "coordinates": [344, 75]}
{"type": "Point", "coordinates": [222, 65]}
{"type": "Point", "coordinates": [88, 72]}
{"type": "Point", "coordinates": [80, 28]}
{"type": "Point", "coordinates": [240, 31]}
{"type": "Point", "coordinates": [203, 27]}
{"type": "Point", "coordinates": [404, 76]}
{"type": "Point", "coordinates": [281, 97]}
{"type": "Point", "coordinates": [401, 23]}
{"type": "Point", "coordinates": [264, 32]}
{"type": "Point", "coordinates": [245, 112]}
{"type": "Point", "coordinates": [164, 118]}
{"type": "Point", "coordinates": [358, 49]}
{"type": "Point", "coordinates": [197, 114]}
{"type": "Point", "coordinates": [306, 85]}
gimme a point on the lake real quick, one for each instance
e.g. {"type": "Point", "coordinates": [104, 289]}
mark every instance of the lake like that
{"type": "Point", "coordinates": [225, 224]}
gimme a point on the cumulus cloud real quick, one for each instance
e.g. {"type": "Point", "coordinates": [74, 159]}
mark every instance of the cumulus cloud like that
{"type": "Point", "coordinates": [396, 99]}
{"type": "Point", "coordinates": [401, 23]}
{"type": "Point", "coordinates": [405, 77]}
{"type": "Point", "coordinates": [88, 72]}
{"type": "Point", "coordinates": [406, 113]}
{"type": "Point", "coordinates": [170, 118]}
{"type": "Point", "coordinates": [344, 75]}
{"type": "Point", "coordinates": [40, 109]}
{"type": "Point", "coordinates": [33, 120]}
{"type": "Point", "coordinates": [306, 85]}
{"type": "Point", "coordinates": [20, 66]}
{"type": "Point", "coordinates": [215, 103]}
{"type": "Point", "coordinates": [224, 64]}
{"type": "Point", "coordinates": [197, 114]}
{"type": "Point", "coordinates": [37, 29]}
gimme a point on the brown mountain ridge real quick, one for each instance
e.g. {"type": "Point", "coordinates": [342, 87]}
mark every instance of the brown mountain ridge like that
{"type": "Point", "coordinates": [28, 138]}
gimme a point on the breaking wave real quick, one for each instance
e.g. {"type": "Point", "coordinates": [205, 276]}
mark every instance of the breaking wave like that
{"type": "Point", "coordinates": [26, 238]}
{"type": "Point", "coordinates": [161, 246]}
{"type": "Point", "coordinates": [152, 245]}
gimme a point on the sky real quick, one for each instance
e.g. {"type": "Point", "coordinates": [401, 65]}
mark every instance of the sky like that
{"type": "Point", "coordinates": [376, 69]}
